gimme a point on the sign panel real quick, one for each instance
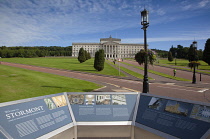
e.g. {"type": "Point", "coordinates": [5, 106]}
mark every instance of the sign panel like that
{"type": "Point", "coordinates": [176, 118]}
{"type": "Point", "coordinates": [34, 118]}
{"type": "Point", "coordinates": [102, 107]}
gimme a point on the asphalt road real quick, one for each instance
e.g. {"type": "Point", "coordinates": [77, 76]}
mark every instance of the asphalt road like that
{"type": "Point", "coordinates": [179, 73]}
{"type": "Point", "coordinates": [183, 90]}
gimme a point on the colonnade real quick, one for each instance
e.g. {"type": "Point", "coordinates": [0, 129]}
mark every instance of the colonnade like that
{"type": "Point", "coordinates": [111, 51]}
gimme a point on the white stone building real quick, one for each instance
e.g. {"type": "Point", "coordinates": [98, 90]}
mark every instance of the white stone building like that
{"type": "Point", "coordinates": [113, 48]}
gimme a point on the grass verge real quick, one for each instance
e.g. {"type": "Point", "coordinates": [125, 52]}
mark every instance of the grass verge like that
{"type": "Point", "coordinates": [159, 73]}
{"type": "Point", "coordinates": [135, 74]}
{"type": "Point", "coordinates": [183, 65]}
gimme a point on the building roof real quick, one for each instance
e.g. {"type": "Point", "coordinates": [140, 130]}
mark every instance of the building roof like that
{"type": "Point", "coordinates": [110, 39]}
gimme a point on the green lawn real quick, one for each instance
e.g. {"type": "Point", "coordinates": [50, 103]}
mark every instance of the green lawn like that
{"type": "Point", "coordinates": [65, 63]}
{"type": "Point", "coordinates": [183, 64]}
{"type": "Point", "coordinates": [17, 83]}
{"type": "Point", "coordinates": [135, 74]}
{"type": "Point", "coordinates": [159, 73]}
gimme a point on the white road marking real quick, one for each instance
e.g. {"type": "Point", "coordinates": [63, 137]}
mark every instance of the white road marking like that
{"type": "Point", "coordinates": [132, 90]}
{"type": "Point", "coordinates": [170, 83]}
{"type": "Point", "coordinates": [120, 90]}
{"type": "Point", "coordinates": [178, 89]}
{"type": "Point", "coordinates": [203, 90]}
{"type": "Point", "coordinates": [99, 88]}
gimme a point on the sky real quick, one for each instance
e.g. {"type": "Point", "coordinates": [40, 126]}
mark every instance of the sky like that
{"type": "Point", "coordinates": [61, 22]}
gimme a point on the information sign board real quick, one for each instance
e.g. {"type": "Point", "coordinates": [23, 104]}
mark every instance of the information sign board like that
{"type": "Point", "coordinates": [32, 119]}
{"type": "Point", "coordinates": [102, 107]}
{"type": "Point", "coordinates": [177, 118]}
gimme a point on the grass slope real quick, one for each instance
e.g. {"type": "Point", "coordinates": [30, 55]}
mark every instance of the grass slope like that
{"type": "Point", "coordinates": [16, 83]}
{"type": "Point", "coordinates": [65, 63]}
{"type": "Point", "coordinates": [183, 64]}
{"type": "Point", "coordinates": [159, 73]}
{"type": "Point", "coordinates": [135, 74]}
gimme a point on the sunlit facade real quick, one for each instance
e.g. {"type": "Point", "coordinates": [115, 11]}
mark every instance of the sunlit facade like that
{"type": "Point", "coordinates": [112, 47]}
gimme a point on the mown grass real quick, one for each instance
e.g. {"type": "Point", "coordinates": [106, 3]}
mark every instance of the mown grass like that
{"type": "Point", "coordinates": [183, 64]}
{"type": "Point", "coordinates": [17, 83]}
{"type": "Point", "coordinates": [65, 63]}
{"type": "Point", "coordinates": [135, 74]}
{"type": "Point", "coordinates": [159, 73]}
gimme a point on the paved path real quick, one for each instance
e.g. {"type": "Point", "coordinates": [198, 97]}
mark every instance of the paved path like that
{"type": "Point", "coordinates": [113, 84]}
{"type": "Point", "coordinates": [205, 82]}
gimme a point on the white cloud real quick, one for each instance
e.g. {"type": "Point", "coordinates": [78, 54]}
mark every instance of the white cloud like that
{"type": "Point", "coordinates": [203, 3]}
{"type": "Point", "coordinates": [25, 21]}
{"type": "Point", "coordinates": [184, 37]}
{"type": "Point", "coordinates": [48, 20]}
{"type": "Point", "coordinates": [187, 7]}
{"type": "Point", "coordinates": [161, 12]}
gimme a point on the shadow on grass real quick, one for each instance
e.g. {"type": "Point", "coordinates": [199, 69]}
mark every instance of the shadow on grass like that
{"type": "Point", "coordinates": [72, 62]}
{"type": "Point", "coordinates": [83, 70]}
{"type": "Point", "coordinates": [54, 86]}
{"type": "Point", "coordinates": [87, 90]}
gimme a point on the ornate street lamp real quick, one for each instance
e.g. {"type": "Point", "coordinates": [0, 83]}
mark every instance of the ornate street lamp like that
{"type": "Point", "coordinates": [194, 59]}
{"type": "Point", "coordinates": [145, 23]}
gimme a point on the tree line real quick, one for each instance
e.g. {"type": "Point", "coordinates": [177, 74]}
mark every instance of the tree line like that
{"type": "Point", "coordinates": [190, 53]}
{"type": "Point", "coordinates": [36, 51]}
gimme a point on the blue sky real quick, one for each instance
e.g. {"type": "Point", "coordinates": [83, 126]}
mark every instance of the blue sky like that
{"type": "Point", "coordinates": [61, 22]}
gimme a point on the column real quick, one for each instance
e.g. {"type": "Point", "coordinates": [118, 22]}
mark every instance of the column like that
{"type": "Point", "coordinates": [109, 51]}
{"type": "Point", "coordinates": [116, 51]}
{"type": "Point", "coordinates": [106, 51]}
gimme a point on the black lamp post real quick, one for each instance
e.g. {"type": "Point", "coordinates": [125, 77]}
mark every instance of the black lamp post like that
{"type": "Point", "coordinates": [194, 59]}
{"type": "Point", "coordinates": [145, 23]}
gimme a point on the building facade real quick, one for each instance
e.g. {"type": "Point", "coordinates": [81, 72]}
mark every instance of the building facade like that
{"type": "Point", "coordinates": [113, 48]}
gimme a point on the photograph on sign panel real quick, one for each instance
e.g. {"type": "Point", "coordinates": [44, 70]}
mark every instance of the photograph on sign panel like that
{"type": "Point", "coordinates": [103, 99]}
{"type": "Point", "coordinates": [59, 101]}
{"type": "Point", "coordinates": [49, 103]}
{"type": "Point", "coordinates": [89, 99]}
{"type": "Point", "coordinates": [156, 103]}
{"type": "Point", "coordinates": [201, 113]}
{"type": "Point", "coordinates": [76, 99]}
{"type": "Point", "coordinates": [177, 107]}
{"type": "Point", "coordinates": [119, 100]}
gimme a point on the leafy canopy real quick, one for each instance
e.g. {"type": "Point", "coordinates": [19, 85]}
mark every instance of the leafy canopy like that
{"type": "Point", "coordinates": [141, 55]}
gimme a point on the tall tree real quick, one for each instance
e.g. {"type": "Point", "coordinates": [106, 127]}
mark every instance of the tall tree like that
{"type": "Point", "coordinates": [170, 57]}
{"type": "Point", "coordinates": [140, 57]}
{"type": "Point", "coordinates": [88, 55]}
{"type": "Point", "coordinates": [206, 52]}
{"type": "Point", "coordinates": [81, 56]}
{"type": "Point", "coordinates": [99, 60]}
{"type": "Point", "coordinates": [192, 54]}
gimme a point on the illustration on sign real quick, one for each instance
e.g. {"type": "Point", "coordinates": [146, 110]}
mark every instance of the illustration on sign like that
{"type": "Point", "coordinates": [201, 113]}
{"type": "Point", "coordinates": [89, 99]}
{"type": "Point", "coordinates": [76, 99]}
{"type": "Point", "coordinates": [176, 107]}
{"type": "Point", "coordinates": [156, 103]}
{"type": "Point", "coordinates": [103, 99]}
{"type": "Point", "coordinates": [118, 100]}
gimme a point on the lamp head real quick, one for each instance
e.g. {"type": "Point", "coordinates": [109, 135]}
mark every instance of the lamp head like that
{"type": "Point", "coordinates": [144, 17]}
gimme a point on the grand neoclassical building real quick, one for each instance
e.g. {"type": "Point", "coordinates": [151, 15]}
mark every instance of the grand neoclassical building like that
{"type": "Point", "coordinates": [113, 48]}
